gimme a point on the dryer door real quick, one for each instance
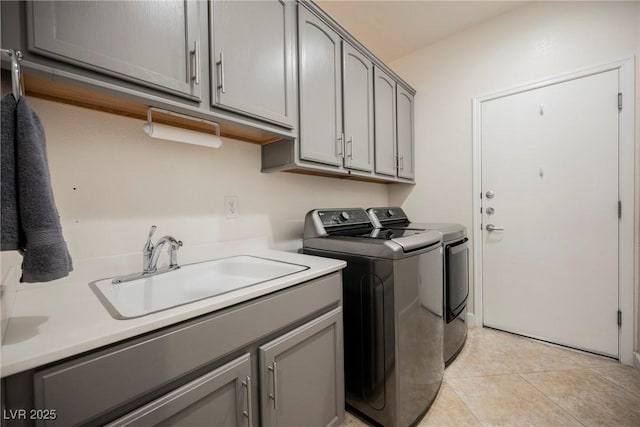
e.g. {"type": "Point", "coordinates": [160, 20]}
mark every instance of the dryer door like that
{"type": "Point", "coordinates": [456, 278]}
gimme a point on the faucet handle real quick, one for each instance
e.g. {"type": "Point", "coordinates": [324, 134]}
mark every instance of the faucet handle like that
{"type": "Point", "coordinates": [147, 250]}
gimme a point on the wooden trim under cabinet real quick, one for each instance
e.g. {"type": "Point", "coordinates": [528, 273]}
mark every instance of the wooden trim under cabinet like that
{"type": "Point", "coordinates": [81, 97]}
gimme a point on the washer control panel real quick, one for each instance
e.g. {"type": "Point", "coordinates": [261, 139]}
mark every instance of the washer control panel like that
{"type": "Point", "coordinates": [326, 222]}
{"type": "Point", "coordinates": [332, 218]}
{"type": "Point", "coordinates": [388, 214]}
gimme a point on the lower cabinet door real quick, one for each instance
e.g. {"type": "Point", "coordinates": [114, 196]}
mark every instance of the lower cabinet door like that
{"type": "Point", "coordinates": [220, 398]}
{"type": "Point", "coordinates": [302, 375]}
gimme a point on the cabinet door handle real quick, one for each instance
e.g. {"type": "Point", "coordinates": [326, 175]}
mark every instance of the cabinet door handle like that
{"type": "Point", "coordinates": [220, 63]}
{"type": "Point", "coordinates": [249, 412]}
{"type": "Point", "coordinates": [350, 145]}
{"type": "Point", "coordinates": [401, 162]}
{"type": "Point", "coordinates": [195, 62]}
{"type": "Point", "coordinates": [274, 396]}
{"type": "Point", "coordinates": [340, 146]}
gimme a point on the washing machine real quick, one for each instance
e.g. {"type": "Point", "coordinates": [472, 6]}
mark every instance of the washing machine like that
{"type": "Point", "coordinates": [393, 313]}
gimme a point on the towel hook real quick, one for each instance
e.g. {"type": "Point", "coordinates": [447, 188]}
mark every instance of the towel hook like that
{"type": "Point", "coordinates": [16, 76]}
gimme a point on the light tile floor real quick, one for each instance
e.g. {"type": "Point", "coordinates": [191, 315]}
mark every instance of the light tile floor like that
{"type": "Point", "coordinates": [500, 379]}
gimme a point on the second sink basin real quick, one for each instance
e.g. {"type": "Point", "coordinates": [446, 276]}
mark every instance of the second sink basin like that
{"type": "Point", "coordinates": [187, 284]}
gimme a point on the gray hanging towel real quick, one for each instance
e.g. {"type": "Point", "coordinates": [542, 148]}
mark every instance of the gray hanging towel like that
{"type": "Point", "coordinates": [30, 221]}
{"type": "Point", "coordinates": [11, 235]}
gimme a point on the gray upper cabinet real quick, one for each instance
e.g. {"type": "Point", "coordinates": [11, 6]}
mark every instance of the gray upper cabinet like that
{"type": "Point", "coordinates": [219, 398]}
{"type": "Point", "coordinates": [350, 109]}
{"type": "Point", "coordinates": [358, 109]}
{"type": "Point", "coordinates": [301, 375]}
{"type": "Point", "coordinates": [320, 87]}
{"type": "Point", "coordinates": [385, 123]}
{"type": "Point", "coordinates": [155, 44]}
{"type": "Point", "coordinates": [253, 54]}
{"type": "Point", "coordinates": [405, 134]}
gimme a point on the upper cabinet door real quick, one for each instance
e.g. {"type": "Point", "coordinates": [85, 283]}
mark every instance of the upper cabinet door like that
{"type": "Point", "coordinates": [358, 109]}
{"type": "Point", "coordinates": [252, 63]}
{"type": "Point", "coordinates": [320, 91]}
{"type": "Point", "coordinates": [385, 123]}
{"type": "Point", "coordinates": [405, 134]}
{"type": "Point", "coordinates": [154, 43]}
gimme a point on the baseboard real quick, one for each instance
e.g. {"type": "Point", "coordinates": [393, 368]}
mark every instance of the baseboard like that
{"type": "Point", "coordinates": [471, 320]}
{"type": "Point", "coordinates": [636, 360]}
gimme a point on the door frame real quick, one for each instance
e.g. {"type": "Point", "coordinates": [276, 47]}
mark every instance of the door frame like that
{"type": "Point", "coordinates": [626, 150]}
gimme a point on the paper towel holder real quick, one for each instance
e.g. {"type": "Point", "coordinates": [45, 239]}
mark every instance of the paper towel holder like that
{"type": "Point", "coordinates": [180, 134]}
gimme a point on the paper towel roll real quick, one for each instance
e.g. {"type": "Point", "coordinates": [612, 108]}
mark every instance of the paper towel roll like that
{"type": "Point", "coordinates": [172, 133]}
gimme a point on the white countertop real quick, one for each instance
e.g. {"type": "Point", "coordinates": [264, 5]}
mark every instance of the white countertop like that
{"type": "Point", "coordinates": [65, 318]}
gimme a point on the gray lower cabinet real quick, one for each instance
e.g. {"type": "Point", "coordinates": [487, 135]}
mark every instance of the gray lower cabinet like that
{"type": "Point", "coordinates": [205, 371]}
{"type": "Point", "coordinates": [320, 84]}
{"type": "Point", "coordinates": [219, 398]}
{"type": "Point", "coordinates": [385, 123]}
{"type": "Point", "coordinates": [156, 44]}
{"type": "Point", "coordinates": [405, 133]}
{"type": "Point", "coordinates": [253, 56]}
{"type": "Point", "coordinates": [302, 375]}
{"type": "Point", "coordinates": [301, 383]}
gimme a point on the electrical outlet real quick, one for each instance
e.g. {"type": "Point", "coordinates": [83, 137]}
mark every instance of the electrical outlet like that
{"type": "Point", "coordinates": [231, 207]}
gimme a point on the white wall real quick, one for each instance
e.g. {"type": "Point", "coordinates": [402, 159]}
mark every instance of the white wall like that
{"type": "Point", "coordinates": [111, 182]}
{"type": "Point", "coordinates": [528, 44]}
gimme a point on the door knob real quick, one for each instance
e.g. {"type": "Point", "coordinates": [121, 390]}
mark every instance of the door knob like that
{"type": "Point", "coordinates": [491, 227]}
{"type": "Point", "coordinates": [490, 194]}
{"type": "Point", "coordinates": [490, 210]}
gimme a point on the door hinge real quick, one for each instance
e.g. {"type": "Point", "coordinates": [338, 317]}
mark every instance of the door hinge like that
{"type": "Point", "coordinates": [619, 318]}
{"type": "Point", "coordinates": [619, 101]}
{"type": "Point", "coordinates": [619, 208]}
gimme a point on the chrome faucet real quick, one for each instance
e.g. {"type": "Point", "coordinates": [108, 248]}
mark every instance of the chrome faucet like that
{"type": "Point", "coordinates": [151, 253]}
{"type": "Point", "coordinates": [150, 256]}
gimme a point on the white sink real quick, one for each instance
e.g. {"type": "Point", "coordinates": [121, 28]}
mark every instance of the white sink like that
{"type": "Point", "coordinates": [187, 284]}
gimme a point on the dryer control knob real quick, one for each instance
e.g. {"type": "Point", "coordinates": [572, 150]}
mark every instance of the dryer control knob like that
{"type": "Point", "coordinates": [344, 216]}
{"type": "Point", "coordinates": [389, 213]}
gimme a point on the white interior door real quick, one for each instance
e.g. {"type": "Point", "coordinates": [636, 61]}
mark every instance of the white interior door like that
{"type": "Point", "coordinates": [550, 157]}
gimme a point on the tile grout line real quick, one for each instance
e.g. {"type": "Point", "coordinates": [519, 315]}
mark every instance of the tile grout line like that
{"type": "Point", "coordinates": [465, 404]}
{"type": "Point", "coordinates": [552, 401]}
{"type": "Point", "coordinates": [620, 386]}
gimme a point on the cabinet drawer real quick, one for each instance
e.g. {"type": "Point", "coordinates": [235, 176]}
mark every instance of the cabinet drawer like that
{"type": "Point", "coordinates": [100, 382]}
{"type": "Point", "coordinates": [221, 398]}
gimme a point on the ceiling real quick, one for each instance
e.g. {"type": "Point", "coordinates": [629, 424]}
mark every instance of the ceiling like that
{"type": "Point", "coordinates": [392, 29]}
